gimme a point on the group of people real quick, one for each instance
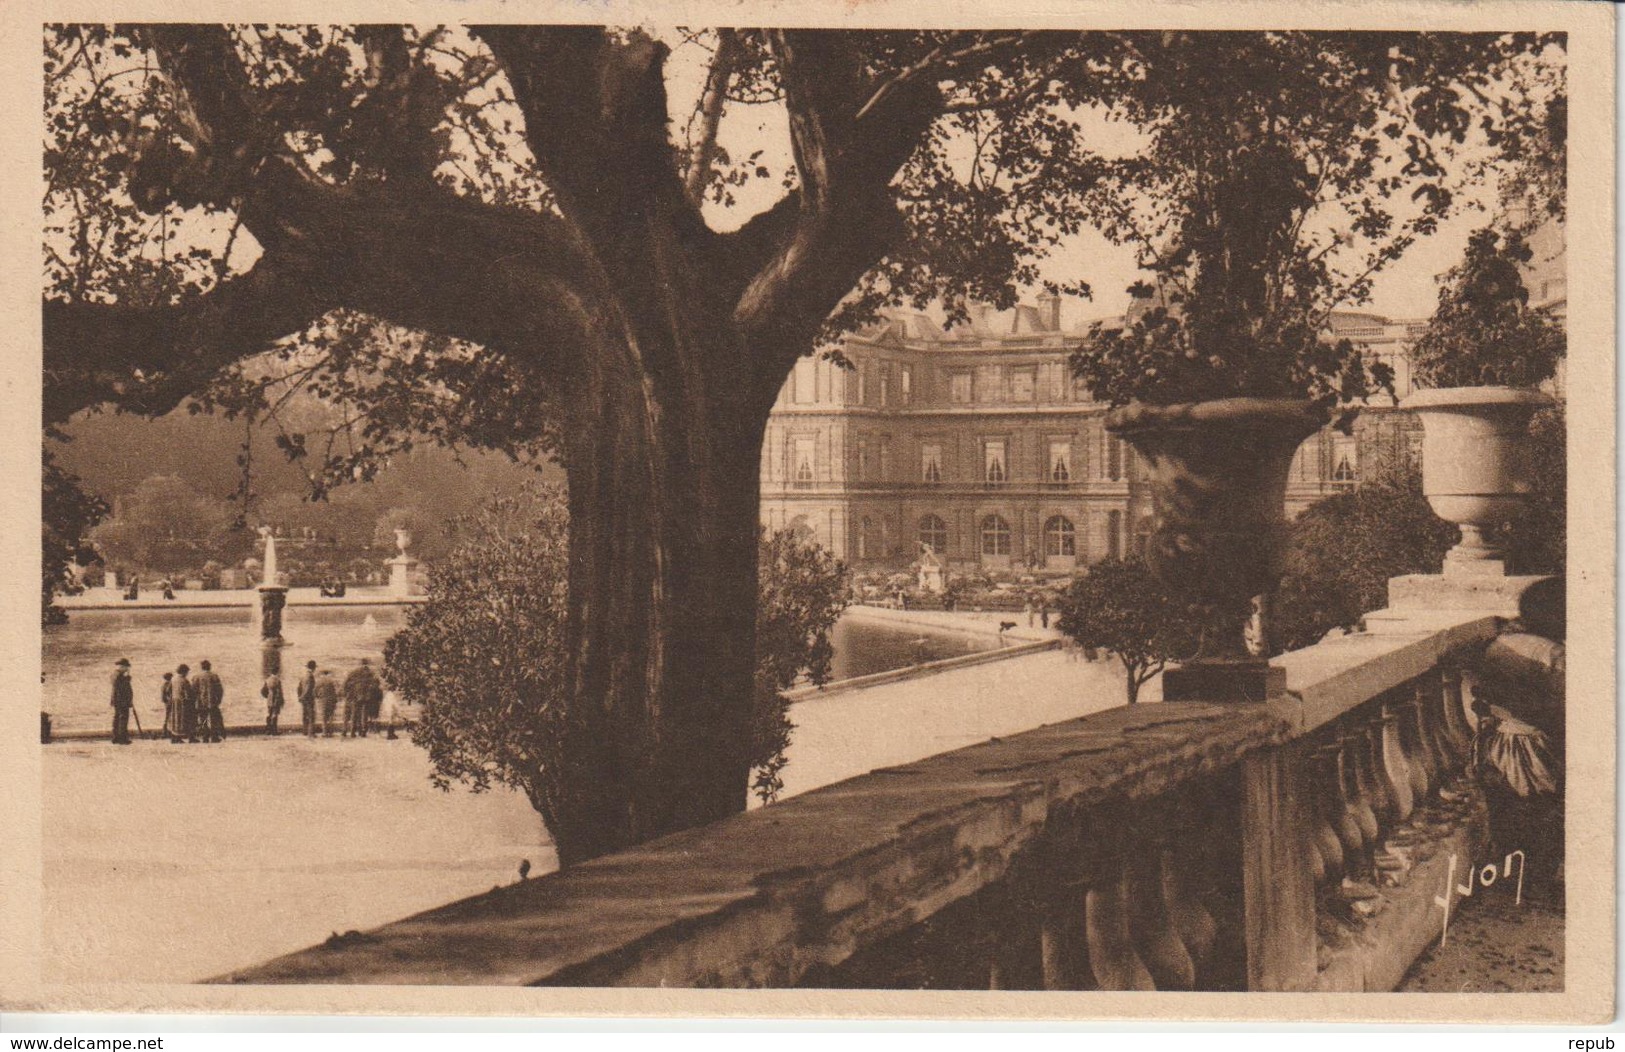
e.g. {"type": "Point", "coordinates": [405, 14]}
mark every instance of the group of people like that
{"type": "Point", "coordinates": [192, 703]}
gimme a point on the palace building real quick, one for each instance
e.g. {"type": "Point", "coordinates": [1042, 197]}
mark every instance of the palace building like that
{"type": "Point", "coordinates": [979, 443]}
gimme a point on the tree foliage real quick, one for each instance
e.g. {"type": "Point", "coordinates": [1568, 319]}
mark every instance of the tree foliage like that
{"type": "Point", "coordinates": [1342, 550]}
{"type": "Point", "coordinates": [1483, 331]}
{"type": "Point", "coordinates": [67, 515]}
{"type": "Point", "coordinates": [1120, 606]}
{"type": "Point", "coordinates": [166, 526]}
{"type": "Point", "coordinates": [1283, 172]}
{"type": "Point", "coordinates": [484, 654]}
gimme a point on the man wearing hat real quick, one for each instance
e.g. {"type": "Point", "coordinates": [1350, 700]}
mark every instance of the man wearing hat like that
{"type": "Point", "coordinates": [123, 699]}
{"type": "Point", "coordinates": [185, 706]}
{"type": "Point", "coordinates": [327, 692]}
{"type": "Point", "coordinates": [306, 693]}
{"type": "Point", "coordinates": [210, 692]}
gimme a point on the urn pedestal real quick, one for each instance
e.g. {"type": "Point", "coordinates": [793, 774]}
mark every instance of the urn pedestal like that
{"type": "Point", "coordinates": [1218, 474]}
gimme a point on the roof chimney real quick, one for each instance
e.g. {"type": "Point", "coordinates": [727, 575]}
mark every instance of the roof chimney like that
{"type": "Point", "coordinates": [1049, 311]}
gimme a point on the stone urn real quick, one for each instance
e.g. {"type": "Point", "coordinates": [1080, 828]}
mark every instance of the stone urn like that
{"type": "Point", "coordinates": [1218, 473]}
{"type": "Point", "coordinates": [1476, 465]}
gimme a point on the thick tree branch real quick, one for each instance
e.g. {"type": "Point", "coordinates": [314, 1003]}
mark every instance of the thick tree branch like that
{"type": "Point", "coordinates": [704, 149]}
{"type": "Point", "coordinates": [150, 358]}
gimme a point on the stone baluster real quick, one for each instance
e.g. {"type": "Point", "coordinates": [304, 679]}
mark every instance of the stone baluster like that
{"type": "Point", "coordinates": [1329, 814]}
{"type": "Point", "coordinates": [1359, 819]}
{"type": "Point", "coordinates": [1452, 719]}
{"type": "Point", "coordinates": [1191, 919]}
{"type": "Point", "coordinates": [1368, 745]}
{"type": "Point", "coordinates": [1155, 940]}
{"type": "Point", "coordinates": [1112, 958]}
{"type": "Point", "coordinates": [1392, 765]}
{"type": "Point", "coordinates": [1417, 740]}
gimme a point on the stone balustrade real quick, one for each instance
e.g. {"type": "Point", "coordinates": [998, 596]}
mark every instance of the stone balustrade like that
{"type": "Point", "coordinates": [1290, 845]}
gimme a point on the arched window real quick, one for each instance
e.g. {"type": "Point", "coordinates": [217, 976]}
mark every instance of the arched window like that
{"type": "Point", "coordinates": [934, 534]}
{"type": "Point", "coordinates": [995, 536]}
{"type": "Point", "coordinates": [1060, 536]}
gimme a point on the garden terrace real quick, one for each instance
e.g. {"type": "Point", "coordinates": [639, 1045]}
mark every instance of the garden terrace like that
{"type": "Point", "coordinates": [1295, 844]}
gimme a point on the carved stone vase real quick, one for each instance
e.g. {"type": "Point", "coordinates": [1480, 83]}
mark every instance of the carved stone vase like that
{"type": "Point", "coordinates": [1218, 474]}
{"type": "Point", "coordinates": [1476, 467]}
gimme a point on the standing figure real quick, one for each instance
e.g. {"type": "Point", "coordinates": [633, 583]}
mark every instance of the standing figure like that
{"type": "Point", "coordinates": [171, 717]}
{"type": "Point", "coordinates": [306, 693]}
{"type": "Point", "coordinates": [123, 699]}
{"type": "Point", "coordinates": [362, 697]}
{"type": "Point", "coordinates": [186, 704]}
{"type": "Point", "coordinates": [271, 691]}
{"type": "Point", "coordinates": [327, 693]}
{"type": "Point", "coordinates": [1029, 610]}
{"type": "Point", "coordinates": [1043, 612]}
{"type": "Point", "coordinates": [210, 693]}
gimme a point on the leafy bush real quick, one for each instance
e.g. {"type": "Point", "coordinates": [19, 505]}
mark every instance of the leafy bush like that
{"type": "Point", "coordinates": [1342, 550]}
{"type": "Point", "coordinates": [1121, 606]}
{"type": "Point", "coordinates": [1484, 332]}
{"type": "Point", "coordinates": [485, 654]}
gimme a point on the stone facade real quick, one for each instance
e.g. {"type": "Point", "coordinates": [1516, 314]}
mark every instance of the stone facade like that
{"type": "Point", "coordinates": [979, 442]}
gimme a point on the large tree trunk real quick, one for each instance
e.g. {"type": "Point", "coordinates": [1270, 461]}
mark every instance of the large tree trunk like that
{"type": "Point", "coordinates": [662, 457]}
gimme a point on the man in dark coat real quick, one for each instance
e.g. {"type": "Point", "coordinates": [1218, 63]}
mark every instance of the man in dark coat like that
{"type": "Point", "coordinates": [211, 691]}
{"type": "Point", "coordinates": [306, 693]}
{"type": "Point", "coordinates": [271, 691]}
{"type": "Point", "coordinates": [172, 719]}
{"type": "Point", "coordinates": [123, 700]}
{"type": "Point", "coordinates": [362, 697]}
{"type": "Point", "coordinates": [327, 694]}
{"type": "Point", "coordinates": [185, 705]}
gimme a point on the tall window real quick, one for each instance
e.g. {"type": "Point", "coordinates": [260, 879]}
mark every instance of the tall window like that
{"type": "Point", "coordinates": [934, 534]}
{"type": "Point", "coordinates": [802, 463]}
{"type": "Point", "coordinates": [863, 459]}
{"type": "Point", "coordinates": [994, 471]}
{"type": "Point", "coordinates": [1114, 535]}
{"type": "Point", "coordinates": [907, 390]}
{"type": "Point", "coordinates": [885, 383]}
{"type": "Point", "coordinates": [1059, 473]}
{"type": "Point", "coordinates": [863, 383]}
{"type": "Point", "coordinates": [1023, 384]}
{"type": "Point", "coordinates": [884, 464]}
{"type": "Point", "coordinates": [959, 391]}
{"type": "Point", "coordinates": [1114, 458]}
{"type": "Point", "coordinates": [1345, 461]}
{"type": "Point", "coordinates": [806, 380]}
{"type": "Point", "coordinates": [995, 536]}
{"type": "Point", "coordinates": [931, 462]}
{"type": "Point", "coordinates": [990, 383]}
{"type": "Point", "coordinates": [865, 528]}
{"type": "Point", "coordinates": [1060, 536]}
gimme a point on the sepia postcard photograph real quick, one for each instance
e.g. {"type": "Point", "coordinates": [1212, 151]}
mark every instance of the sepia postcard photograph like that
{"type": "Point", "coordinates": [1063, 512]}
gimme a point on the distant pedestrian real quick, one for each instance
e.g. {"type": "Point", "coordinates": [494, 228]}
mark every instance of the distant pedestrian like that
{"type": "Point", "coordinates": [134, 589]}
{"type": "Point", "coordinates": [186, 703]}
{"type": "Point", "coordinates": [327, 694]}
{"type": "Point", "coordinates": [168, 588]}
{"type": "Point", "coordinates": [1029, 610]}
{"type": "Point", "coordinates": [1043, 613]}
{"type": "Point", "coordinates": [171, 717]}
{"type": "Point", "coordinates": [306, 693]}
{"type": "Point", "coordinates": [211, 692]}
{"type": "Point", "coordinates": [271, 691]}
{"type": "Point", "coordinates": [123, 699]}
{"type": "Point", "coordinates": [362, 697]}
{"type": "Point", "coordinates": [391, 714]}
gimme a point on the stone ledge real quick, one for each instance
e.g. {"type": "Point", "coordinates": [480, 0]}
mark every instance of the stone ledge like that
{"type": "Point", "coordinates": [1487, 593]}
{"type": "Point", "coordinates": [766, 897]}
{"type": "Point", "coordinates": [1335, 676]}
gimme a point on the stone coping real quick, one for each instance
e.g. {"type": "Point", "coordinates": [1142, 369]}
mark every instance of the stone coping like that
{"type": "Point", "coordinates": [769, 896]}
{"type": "Point", "coordinates": [773, 896]}
{"type": "Point", "coordinates": [225, 598]}
{"type": "Point", "coordinates": [928, 668]}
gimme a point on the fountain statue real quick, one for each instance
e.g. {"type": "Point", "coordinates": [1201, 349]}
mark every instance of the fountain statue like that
{"type": "Point", "coordinates": [273, 596]}
{"type": "Point", "coordinates": [931, 579]}
{"type": "Point", "coordinates": [402, 568]}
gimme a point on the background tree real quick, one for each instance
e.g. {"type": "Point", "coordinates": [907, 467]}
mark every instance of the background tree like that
{"type": "Point", "coordinates": [166, 526]}
{"type": "Point", "coordinates": [499, 236]}
{"type": "Point", "coordinates": [484, 654]}
{"type": "Point", "coordinates": [1342, 550]}
{"type": "Point", "coordinates": [1120, 606]}
{"type": "Point", "coordinates": [67, 516]}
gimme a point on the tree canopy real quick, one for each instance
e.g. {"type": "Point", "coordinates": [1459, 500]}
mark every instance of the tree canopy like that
{"type": "Point", "coordinates": [1120, 606]}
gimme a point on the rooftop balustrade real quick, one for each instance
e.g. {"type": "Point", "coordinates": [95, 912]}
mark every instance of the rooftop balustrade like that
{"type": "Point", "coordinates": [1291, 845]}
